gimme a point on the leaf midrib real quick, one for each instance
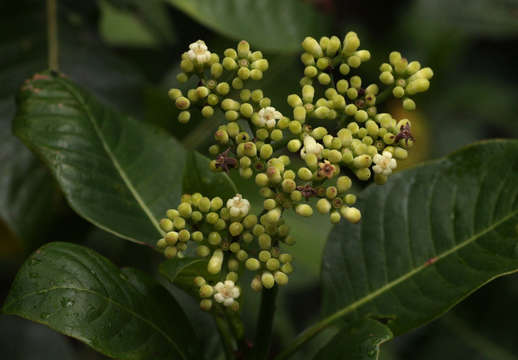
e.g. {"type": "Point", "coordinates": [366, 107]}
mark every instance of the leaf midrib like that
{"type": "Point", "coordinates": [107, 299]}
{"type": "Point", "coordinates": [358, 303]}
{"type": "Point", "coordinates": [112, 156]}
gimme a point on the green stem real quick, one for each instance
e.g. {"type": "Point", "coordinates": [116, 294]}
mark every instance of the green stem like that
{"type": "Point", "coordinates": [263, 336]}
{"type": "Point", "coordinates": [52, 34]}
{"type": "Point", "coordinates": [384, 95]}
{"type": "Point", "coordinates": [225, 335]}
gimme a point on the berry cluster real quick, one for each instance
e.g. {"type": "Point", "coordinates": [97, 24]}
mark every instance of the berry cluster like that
{"type": "Point", "coordinates": [232, 240]}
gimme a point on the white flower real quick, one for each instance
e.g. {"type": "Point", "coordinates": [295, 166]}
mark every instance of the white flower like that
{"type": "Point", "coordinates": [268, 117]}
{"type": "Point", "coordinates": [311, 147]}
{"type": "Point", "coordinates": [384, 163]}
{"type": "Point", "coordinates": [238, 206]}
{"type": "Point", "coordinates": [198, 52]}
{"type": "Point", "coordinates": [226, 292]}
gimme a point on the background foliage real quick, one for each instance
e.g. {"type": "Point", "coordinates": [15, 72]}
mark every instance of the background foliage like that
{"type": "Point", "coordinates": [125, 52]}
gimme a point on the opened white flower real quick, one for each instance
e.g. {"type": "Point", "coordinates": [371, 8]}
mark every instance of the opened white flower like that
{"type": "Point", "coordinates": [198, 52]}
{"type": "Point", "coordinates": [238, 206]}
{"type": "Point", "coordinates": [384, 163]}
{"type": "Point", "coordinates": [268, 117]}
{"type": "Point", "coordinates": [226, 292]}
{"type": "Point", "coordinates": [311, 146]}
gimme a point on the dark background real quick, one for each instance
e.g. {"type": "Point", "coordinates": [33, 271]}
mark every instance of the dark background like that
{"type": "Point", "coordinates": [128, 53]}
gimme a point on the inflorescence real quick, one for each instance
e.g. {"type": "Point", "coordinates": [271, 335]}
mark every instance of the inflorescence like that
{"type": "Point", "coordinates": [336, 132]}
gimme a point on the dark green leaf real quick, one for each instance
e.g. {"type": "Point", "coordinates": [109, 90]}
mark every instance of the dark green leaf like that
{"type": "Point", "coordinates": [116, 172]}
{"type": "Point", "coordinates": [135, 23]}
{"type": "Point", "coordinates": [428, 238]}
{"type": "Point", "coordinates": [360, 341]}
{"type": "Point", "coordinates": [267, 24]}
{"type": "Point", "coordinates": [182, 271]}
{"type": "Point", "coordinates": [121, 313]}
{"type": "Point", "coordinates": [199, 178]}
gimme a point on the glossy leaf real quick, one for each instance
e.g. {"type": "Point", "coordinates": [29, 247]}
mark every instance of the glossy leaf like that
{"type": "Point", "coordinates": [267, 24]}
{"type": "Point", "coordinates": [199, 178]}
{"type": "Point", "coordinates": [182, 271]}
{"type": "Point", "coordinates": [360, 341]}
{"type": "Point", "coordinates": [116, 172]}
{"type": "Point", "coordinates": [428, 238]}
{"type": "Point", "coordinates": [121, 313]}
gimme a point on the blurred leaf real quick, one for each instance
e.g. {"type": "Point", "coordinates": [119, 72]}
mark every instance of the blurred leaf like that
{"type": "Point", "coordinates": [135, 23]}
{"type": "Point", "coordinates": [271, 25]}
{"type": "Point", "coordinates": [199, 178]}
{"type": "Point", "coordinates": [182, 271]}
{"type": "Point", "coordinates": [360, 341]}
{"type": "Point", "coordinates": [23, 340]}
{"type": "Point", "coordinates": [428, 238]}
{"type": "Point", "coordinates": [121, 313]}
{"type": "Point", "coordinates": [117, 173]}
{"type": "Point", "coordinates": [476, 17]}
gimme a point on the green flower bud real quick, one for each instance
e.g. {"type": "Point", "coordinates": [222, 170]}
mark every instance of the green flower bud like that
{"type": "Point", "coordinates": [256, 74]}
{"type": "Point", "coordinates": [400, 153]}
{"type": "Point", "coordinates": [237, 83]}
{"type": "Point", "coordinates": [252, 264]}
{"type": "Point", "coordinates": [182, 77]}
{"type": "Point", "coordinates": [323, 206]}
{"type": "Point", "coordinates": [266, 151]}
{"type": "Point", "coordinates": [351, 214]}
{"type": "Point", "coordinates": [170, 252]}
{"type": "Point", "coordinates": [243, 49]}
{"type": "Point", "coordinates": [362, 161]}
{"type": "Point", "coordinates": [166, 224]}
{"type": "Point", "coordinates": [182, 103]}
{"type": "Point", "coordinates": [335, 217]}
{"type": "Point", "coordinates": [242, 255]}
{"type": "Point", "coordinates": [351, 43]}
{"type": "Point", "coordinates": [235, 229]}
{"type": "Point", "coordinates": [324, 79]}
{"type": "Point", "coordinates": [276, 135]}
{"type": "Point", "coordinates": [261, 179]}
{"type": "Point", "coordinates": [216, 70]}
{"type": "Point", "coordinates": [184, 235]}
{"type": "Point", "coordinates": [350, 199]}
{"type": "Point", "coordinates": [206, 291]}
{"type": "Point", "coordinates": [386, 78]}
{"type": "Point", "coordinates": [264, 255]}
{"type": "Point", "coordinates": [363, 174]}
{"type": "Point", "coordinates": [199, 281]}
{"type": "Point", "coordinates": [398, 92]}
{"type": "Point", "coordinates": [233, 264]}
{"type": "Point", "coordinates": [215, 262]}
{"type": "Point", "coordinates": [417, 86]}
{"type": "Point", "coordinates": [161, 244]}
{"type": "Point", "coordinates": [333, 46]}
{"type": "Point", "coordinates": [344, 69]}
{"type": "Point", "coordinates": [312, 46]}
{"type": "Point", "coordinates": [185, 210]}
{"type": "Point", "coordinates": [288, 185]}
{"type": "Point", "coordinates": [229, 64]}
{"type": "Point", "coordinates": [310, 71]}
{"type": "Point", "coordinates": [354, 61]}
{"type": "Point", "coordinates": [304, 174]}
{"type": "Point", "coordinates": [202, 251]}
{"type": "Point", "coordinates": [269, 204]}
{"type": "Point", "coordinates": [197, 236]}
{"type": "Point", "coordinates": [272, 264]}
{"type": "Point", "coordinates": [352, 93]}
{"type": "Point", "coordinates": [234, 247]}
{"type": "Point", "coordinates": [294, 100]}
{"type": "Point", "coordinates": [223, 88]}
{"type": "Point", "coordinates": [304, 210]}
{"type": "Point", "coordinates": [280, 278]}
{"type": "Point", "coordinates": [247, 237]}
{"type": "Point", "coordinates": [206, 304]}
{"type": "Point", "coordinates": [174, 94]}
{"type": "Point", "coordinates": [267, 280]}
{"type": "Point", "coordinates": [409, 104]}
{"type": "Point", "coordinates": [250, 221]}
{"type": "Point", "coordinates": [343, 183]}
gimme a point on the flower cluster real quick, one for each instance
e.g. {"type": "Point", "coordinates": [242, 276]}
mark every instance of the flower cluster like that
{"type": "Point", "coordinates": [231, 239]}
{"type": "Point", "coordinates": [337, 131]}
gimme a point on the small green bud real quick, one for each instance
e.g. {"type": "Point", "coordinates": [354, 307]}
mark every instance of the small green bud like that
{"type": "Point", "coordinates": [280, 278]}
{"type": "Point", "coordinates": [266, 151]}
{"type": "Point", "coordinates": [323, 206]}
{"type": "Point", "coordinates": [351, 43]}
{"type": "Point", "coordinates": [261, 64]}
{"type": "Point", "coordinates": [343, 183]}
{"type": "Point", "coordinates": [417, 86]}
{"type": "Point", "coordinates": [409, 104]}
{"type": "Point", "coordinates": [216, 70]}
{"type": "Point", "coordinates": [362, 161]}
{"type": "Point", "coordinates": [304, 210]}
{"type": "Point", "coordinates": [276, 135]}
{"type": "Point", "coordinates": [235, 229]}
{"type": "Point", "coordinates": [206, 304]}
{"type": "Point", "coordinates": [400, 153]}
{"type": "Point", "coordinates": [354, 61]}
{"type": "Point", "coordinates": [264, 255]}
{"type": "Point", "coordinates": [267, 280]}
{"type": "Point", "coordinates": [272, 264]}
{"type": "Point", "coordinates": [202, 251]}
{"type": "Point", "coordinates": [214, 238]}
{"type": "Point", "coordinates": [206, 291]}
{"type": "Point", "coordinates": [261, 179]}
{"type": "Point", "coordinates": [215, 262]}
{"type": "Point", "coordinates": [335, 217]}
{"type": "Point", "coordinates": [184, 235]}
{"type": "Point", "coordinates": [265, 241]}
{"type": "Point", "coordinates": [197, 236]}
{"type": "Point", "coordinates": [232, 276]}
{"type": "Point", "coordinates": [170, 252]}
{"type": "Point", "coordinates": [288, 185]}
{"type": "Point", "coordinates": [333, 46]}
{"type": "Point", "coordinates": [299, 114]}
{"type": "Point", "coordinates": [344, 69]}
{"type": "Point", "coordinates": [304, 174]}
{"type": "Point", "coordinates": [352, 93]}
{"type": "Point", "coordinates": [351, 214]}
{"type": "Point", "coordinates": [386, 78]}
{"type": "Point", "coordinates": [184, 117]}
{"type": "Point", "coordinates": [166, 224]}
{"type": "Point", "coordinates": [234, 247]}
{"type": "Point", "coordinates": [174, 94]}
{"type": "Point", "coordinates": [312, 46]}
{"type": "Point", "coordinates": [398, 92]}
{"type": "Point", "coordinates": [363, 174]}
{"type": "Point", "coordinates": [256, 74]}
{"type": "Point", "coordinates": [229, 64]}
{"type": "Point", "coordinates": [223, 88]}
{"type": "Point", "coordinates": [242, 255]}
{"type": "Point", "coordinates": [294, 100]}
